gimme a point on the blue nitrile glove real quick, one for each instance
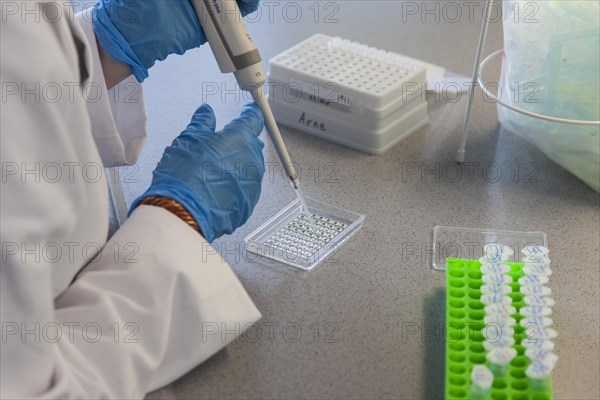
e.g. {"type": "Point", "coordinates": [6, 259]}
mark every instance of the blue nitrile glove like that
{"type": "Point", "coordinates": [140, 32]}
{"type": "Point", "coordinates": [215, 176]}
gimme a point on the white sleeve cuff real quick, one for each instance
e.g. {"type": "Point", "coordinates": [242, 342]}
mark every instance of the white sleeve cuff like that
{"type": "Point", "coordinates": [118, 115]}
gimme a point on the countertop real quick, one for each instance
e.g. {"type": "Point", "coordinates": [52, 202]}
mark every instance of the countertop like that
{"type": "Point", "coordinates": [346, 329]}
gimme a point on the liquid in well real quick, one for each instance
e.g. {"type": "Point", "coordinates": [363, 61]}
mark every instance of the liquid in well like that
{"type": "Point", "coordinates": [307, 212]}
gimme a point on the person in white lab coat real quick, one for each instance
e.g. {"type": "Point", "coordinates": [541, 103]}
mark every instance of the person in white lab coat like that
{"type": "Point", "coordinates": [83, 315]}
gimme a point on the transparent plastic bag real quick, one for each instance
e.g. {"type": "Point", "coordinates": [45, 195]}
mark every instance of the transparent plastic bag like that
{"type": "Point", "coordinates": [552, 67]}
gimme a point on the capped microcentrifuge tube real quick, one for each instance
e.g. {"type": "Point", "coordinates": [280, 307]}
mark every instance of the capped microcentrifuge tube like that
{"type": "Point", "coordinates": [493, 259]}
{"type": "Point", "coordinates": [499, 359]}
{"type": "Point", "coordinates": [533, 280]}
{"type": "Point", "coordinates": [536, 311]}
{"type": "Point", "coordinates": [539, 301]}
{"type": "Point", "coordinates": [481, 381]}
{"type": "Point", "coordinates": [495, 252]}
{"type": "Point", "coordinates": [539, 374]}
{"type": "Point", "coordinates": [496, 279]}
{"type": "Point", "coordinates": [545, 345]}
{"type": "Point", "coordinates": [500, 309]}
{"type": "Point", "coordinates": [541, 355]}
{"type": "Point", "coordinates": [535, 250]}
{"type": "Point", "coordinates": [536, 290]}
{"type": "Point", "coordinates": [541, 333]}
{"type": "Point", "coordinates": [537, 270]}
{"type": "Point", "coordinates": [488, 299]}
{"type": "Point", "coordinates": [506, 341]}
{"type": "Point", "coordinates": [536, 260]}
{"type": "Point", "coordinates": [502, 320]}
{"type": "Point", "coordinates": [536, 322]}
{"type": "Point", "coordinates": [495, 288]}
{"type": "Point", "coordinates": [494, 332]}
{"type": "Point", "coordinates": [492, 269]}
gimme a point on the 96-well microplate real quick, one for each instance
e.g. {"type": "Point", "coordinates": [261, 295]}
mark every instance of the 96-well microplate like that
{"type": "Point", "coordinates": [290, 238]}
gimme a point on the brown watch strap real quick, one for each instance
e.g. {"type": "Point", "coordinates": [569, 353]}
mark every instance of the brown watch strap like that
{"type": "Point", "coordinates": [173, 207]}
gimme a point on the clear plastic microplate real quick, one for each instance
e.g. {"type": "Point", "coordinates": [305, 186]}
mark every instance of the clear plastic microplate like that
{"type": "Point", "coordinates": [289, 239]}
{"type": "Point", "coordinates": [459, 242]}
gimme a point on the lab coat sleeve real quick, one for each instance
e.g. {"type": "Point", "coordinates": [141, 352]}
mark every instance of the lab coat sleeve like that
{"type": "Point", "coordinates": [173, 299]}
{"type": "Point", "coordinates": [154, 303]}
{"type": "Point", "coordinates": [156, 300]}
{"type": "Point", "coordinates": [117, 115]}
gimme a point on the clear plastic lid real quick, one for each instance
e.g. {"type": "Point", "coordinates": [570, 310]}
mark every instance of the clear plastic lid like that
{"type": "Point", "coordinates": [469, 243]}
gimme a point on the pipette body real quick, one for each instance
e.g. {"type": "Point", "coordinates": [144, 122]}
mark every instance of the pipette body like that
{"type": "Point", "coordinates": [235, 52]}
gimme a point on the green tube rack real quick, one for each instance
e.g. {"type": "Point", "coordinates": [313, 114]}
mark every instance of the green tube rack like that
{"type": "Point", "coordinates": [464, 338]}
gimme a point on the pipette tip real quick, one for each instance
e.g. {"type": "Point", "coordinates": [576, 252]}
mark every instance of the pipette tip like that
{"type": "Point", "coordinates": [294, 182]}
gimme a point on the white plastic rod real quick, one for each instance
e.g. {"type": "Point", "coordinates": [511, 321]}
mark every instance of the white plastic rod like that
{"type": "Point", "coordinates": [460, 154]}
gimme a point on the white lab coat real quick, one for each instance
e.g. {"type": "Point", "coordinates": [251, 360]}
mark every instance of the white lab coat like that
{"type": "Point", "coordinates": [155, 301]}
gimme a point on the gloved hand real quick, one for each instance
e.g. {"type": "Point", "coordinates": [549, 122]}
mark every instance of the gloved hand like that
{"type": "Point", "coordinates": [215, 176]}
{"type": "Point", "coordinates": [140, 32]}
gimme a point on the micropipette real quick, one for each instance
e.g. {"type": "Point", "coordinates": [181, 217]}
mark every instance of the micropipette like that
{"type": "Point", "coordinates": [235, 52]}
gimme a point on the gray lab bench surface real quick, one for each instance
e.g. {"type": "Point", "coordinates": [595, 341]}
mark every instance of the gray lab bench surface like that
{"type": "Point", "coordinates": [337, 332]}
